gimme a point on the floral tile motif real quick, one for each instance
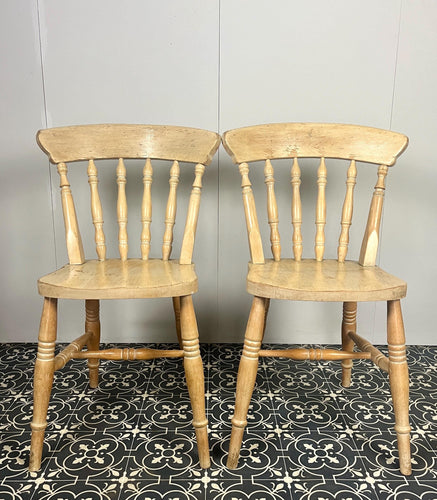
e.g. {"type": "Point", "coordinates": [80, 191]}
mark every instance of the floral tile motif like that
{"type": "Point", "coordinates": [366, 379]}
{"type": "Point", "coordinates": [380, 455]}
{"type": "Point", "coordinates": [322, 455]}
{"type": "Point", "coordinates": [14, 454]}
{"type": "Point", "coordinates": [14, 381]}
{"type": "Point", "coordinates": [367, 413]}
{"type": "Point", "coordinates": [16, 490]}
{"type": "Point", "coordinates": [132, 438]}
{"type": "Point", "coordinates": [308, 412]}
{"type": "Point", "coordinates": [260, 456]}
{"type": "Point", "coordinates": [80, 490]}
{"type": "Point", "coordinates": [254, 490]}
{"type": "Point", "coordinates": [19, 414]}
{"type": "Point", "coordinates": [359, 489]}
{"type": "Point", "coordinates": [423, 412]}
{"type": "Point", "coordinates": [97, 456]}
{"type": "Point", "coordinates": [104, 413]}
{"type": "Point", "coordinates": [399, 490]}
{"type": "Point", "coordinates": [224, 378]}
{"type": "Point", "coordinates": [297, 378]}
{"type": "Point", "coordinates": [161, 412]}
{"type": "Point", "coordinates": [261, 415]}
{"type": "Point", "coordinates": [162, 455]}
{"type": "Point", "coordinates": [134, 489]}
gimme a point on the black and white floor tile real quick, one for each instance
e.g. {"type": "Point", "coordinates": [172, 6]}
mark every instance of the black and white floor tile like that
{"type": "Point", "coordinates": [131, 438]}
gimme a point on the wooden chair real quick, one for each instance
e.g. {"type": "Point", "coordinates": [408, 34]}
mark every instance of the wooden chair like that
{"type": "Point", "coordinates": [317, 279]}
{"type": "Point", "coordinates": [122, 278]}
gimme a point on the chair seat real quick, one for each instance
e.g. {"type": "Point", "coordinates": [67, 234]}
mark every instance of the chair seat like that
{"type": "Point", "coordinates": [327, 281]}
{"type": "Point", "coordinates": [116, 279]}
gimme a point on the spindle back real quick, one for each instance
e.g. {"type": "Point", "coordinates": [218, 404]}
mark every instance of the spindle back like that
{"type": "Point", "coordinates": [313, 140]}
{"type": "Point", "coordinates": [121, 142]}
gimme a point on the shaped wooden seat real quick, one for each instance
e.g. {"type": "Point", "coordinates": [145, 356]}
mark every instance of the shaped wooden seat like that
{"type": "Point", "coordinates": [123, 278]}
{"type": "Point", "coordinates": [117, 279]}
{"type": "Point", "coordinates": [327, 281]}
{"type": "Point", "coordinates": [318, 279]}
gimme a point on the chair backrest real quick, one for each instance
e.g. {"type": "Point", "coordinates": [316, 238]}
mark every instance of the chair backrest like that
{"type": "Point", "coordinates": [313, 140]}
{"type": "Point", "coordinates": [149, 142]}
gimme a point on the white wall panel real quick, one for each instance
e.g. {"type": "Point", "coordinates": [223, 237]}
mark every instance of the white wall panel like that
{"type": "Point", "coordinates": [299, 61]}
{"type": "Point", "coordinates": [136, 62]}
{"type": "Point", "coordinates": [159, 62]}
{"type": "Point", "coordinates": [27, 247]}
{"type": "Point", "coordinates": [410, 238]}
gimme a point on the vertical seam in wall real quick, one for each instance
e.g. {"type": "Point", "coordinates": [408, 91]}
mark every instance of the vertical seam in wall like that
{"type": "Point", "coordinates": [391, 116]}
{"type": "Point", "coordinates": [218, 169]}
{"type": "Point", "coordinates": [390, 127]}
{"type": "Point", "coordinates": [43, 81]}
{"type": "Point", "coordinates": [396, 64]}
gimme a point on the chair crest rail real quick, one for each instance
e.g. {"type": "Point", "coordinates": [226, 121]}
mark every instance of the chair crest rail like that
{"type": "Point", "coordinates": [125, 142]}
{"type": "Point", "coordinates": [324, 141]}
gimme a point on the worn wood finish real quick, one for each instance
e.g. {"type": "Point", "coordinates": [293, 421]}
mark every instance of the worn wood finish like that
{"type": "Point", "coordinates": [322, 180]}
{"type": "Point", "coordinates": [369, 247]}
{"type": "Point", "coordinates": [115, 279]}
{"type": "Point", "coordinates": [346, 216]}
{"type": "Point", "coordinates": [376, 355]}
{"type": "Point", "coordinates": [128, 354]}
{"type": "Point", "coordinates": [68, 352]}
{"type": "Point", "coordinates": [72, 235]}
{"type": "Point", "coordinates": [92, 325]}
{"type": "Point", "coordinates": [314, 140]}
{"type": "Point", "coordinates": [399, 384]}
{"type": "Point", "coordinates": [348, 326]}
{"type": "Point", "coordinates": [327, 281]}
{"type": "Point", "coordinates": [272, 211]}
{"type": "Point", "coordinates": [96, 210]}
{"type": "Point", "coordinates": [300, 354]}
{"type": "Point", "coordinates": [164, 142]}
{"type": "Point", "coordinates": [123, 278]}
{"type": "Point", "coordinates": [146, 210]}
{"type": "Point", "coordinates": [254, 236]}
{"type": "Point", "coordinates": [296, 211]}
{"type": "Point", "coordinates": [170, 214]}
{"type": "Point", "coordinates": [122, 210]}
{"type": "Point", "coordinates": [340, 280]}
{"type": "Point", "coordinates": [43, 380]}
{"type": "Point", "coordinates": [192, 217]}
{"type": "Point", "coordinates": [177, 317]}
{"type": "Point", "coordinates": [195, 378]}
{"type": "Point", "coordinates": [246, 376]}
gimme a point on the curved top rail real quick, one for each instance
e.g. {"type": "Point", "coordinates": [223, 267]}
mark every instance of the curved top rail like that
{"type": "Point", "coordinates": [165, 142]}
{"type": "Point", "coordinates": [314, 140]}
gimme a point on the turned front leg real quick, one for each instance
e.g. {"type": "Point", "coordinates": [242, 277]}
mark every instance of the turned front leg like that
{"type": "Point", "coordinates": [177, 317]}
{"type": "Point", "coordinates": [195, 377]}
{"type": "Point", "coordinates": [349, 324]}
{"type": "Point", "coordinates": [398, 374]}
{"type": "Point", "coordinates": [92, 324]}
{"type": "Point", "coordinates": [43, 380]}
{"type": "Point", "coordinates": [246, 376]}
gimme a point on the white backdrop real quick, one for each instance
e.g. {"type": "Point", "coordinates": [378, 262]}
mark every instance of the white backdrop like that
{"type": "Point", "coordinates": [217, 65]}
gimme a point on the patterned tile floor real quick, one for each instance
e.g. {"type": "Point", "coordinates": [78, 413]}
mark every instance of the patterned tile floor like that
{"type": "Point", "coordinates": [131, 438]}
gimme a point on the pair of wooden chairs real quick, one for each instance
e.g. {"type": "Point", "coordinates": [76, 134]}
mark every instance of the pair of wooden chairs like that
{"type": "Point", "coordinates": [299, 279]}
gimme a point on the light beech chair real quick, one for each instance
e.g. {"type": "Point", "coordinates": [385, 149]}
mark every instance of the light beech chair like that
{"type": "Point", "coordinates": [122, 278]}
{"type": "Point", "coordinates": [317, 279]}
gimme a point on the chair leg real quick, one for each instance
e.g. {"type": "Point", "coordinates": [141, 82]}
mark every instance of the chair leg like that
{"type": "Point", "coordinates": [177, 315]}
{"type": "Point", "coordinates": [246, 376]}
{"type": "Point", "coordinates": [266, 314]}
{"type": "Point", "coordinates": [349, 324]}
{"type": "Point", "coordinates": [43, 380]}
{"type": "Point", "coordinates": [398, 375]}
{"type": "Point", "coordinates": [195, 377]}
{"type": "Point", "coordinates": [92, 324]}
